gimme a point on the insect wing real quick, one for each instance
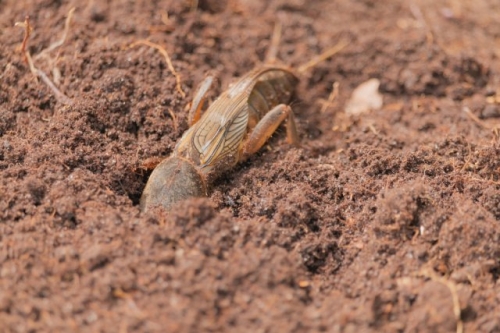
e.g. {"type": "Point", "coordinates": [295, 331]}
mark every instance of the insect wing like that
{"type": "Point", "coordinates": [220, 131]}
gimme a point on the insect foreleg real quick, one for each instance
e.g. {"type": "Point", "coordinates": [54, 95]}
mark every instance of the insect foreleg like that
{"type": "Point", "coordinates": [199, 99]}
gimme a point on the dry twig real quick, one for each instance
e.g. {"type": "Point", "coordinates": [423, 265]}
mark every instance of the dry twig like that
{"type": "Point", "coordinates": [275, 40]}
{"type": "Point", "coordinates": [323, 56]}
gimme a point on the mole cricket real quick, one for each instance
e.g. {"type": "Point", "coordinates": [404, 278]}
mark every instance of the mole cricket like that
{"type": "Point", "coordinates": [237, 124]}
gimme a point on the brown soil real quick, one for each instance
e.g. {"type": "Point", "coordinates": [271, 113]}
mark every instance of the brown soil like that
{"type": "Point", "coordinates": [388, 222]}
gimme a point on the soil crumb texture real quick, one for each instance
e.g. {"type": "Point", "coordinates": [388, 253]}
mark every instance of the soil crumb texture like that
{"type": "Point", "coordinates": [385, 219]}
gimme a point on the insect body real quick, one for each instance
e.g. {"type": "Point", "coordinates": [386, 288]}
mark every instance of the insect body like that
{"type": "Point", "coordinates": [235, 126]}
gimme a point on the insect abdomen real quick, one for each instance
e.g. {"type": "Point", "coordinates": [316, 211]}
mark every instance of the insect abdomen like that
{"type": "Point", "coordinates": [272, 88]}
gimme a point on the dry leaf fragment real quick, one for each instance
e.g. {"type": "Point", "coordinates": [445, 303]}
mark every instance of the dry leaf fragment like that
{"type": "Point", "coordinates": [364, 98]}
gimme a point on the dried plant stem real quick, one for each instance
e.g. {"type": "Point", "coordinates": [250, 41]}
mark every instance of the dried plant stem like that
{"type": "Point", "coordinates": [61, 97]}
{"type": "Point", "coordinates": [323, 56]}
{"type": "Point", "coordinates": [331, 98]}
{"type": "Point", "coordinates": [61, 41]}
{"type": "Point", "coordinates": [39, 73]}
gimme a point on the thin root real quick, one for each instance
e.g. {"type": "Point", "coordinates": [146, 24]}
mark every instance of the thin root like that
{"type": "Point", "coordinates": [174, 119]}
{"type": "Point", "coordinates": [489, 181]}
{"type": "Point", "coordinates": [495, 129]}
{"type": "Point", "coordinates": [419, 16]}
{"type": "Point", "coordinates": [428, 273]}
{"type": "Point", "coordinates": [275, 40]}
{"type": "Point", "coordinates": [61, 97]}
{"type": "Point", "coordinates": [372, 128]}
{"type": "Point", "coordinates": [164, 18]}
{"type": "Point", "coordinates": [194, 5]}
{"type": "Point", "coordinates": [61, 41]}
{"type": "Point", "coordinates": [27, 32]}
{"type": "Point", "coordinates": [35, 71]}
{"type": "Point", "coordinates": [474, 118]}
{"type": "Point", "coordinates": [167, 59]}
{"type": "Point", "coordinates": [331, 98]}
{"type": "Point", "coordinates": [324, 56]}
